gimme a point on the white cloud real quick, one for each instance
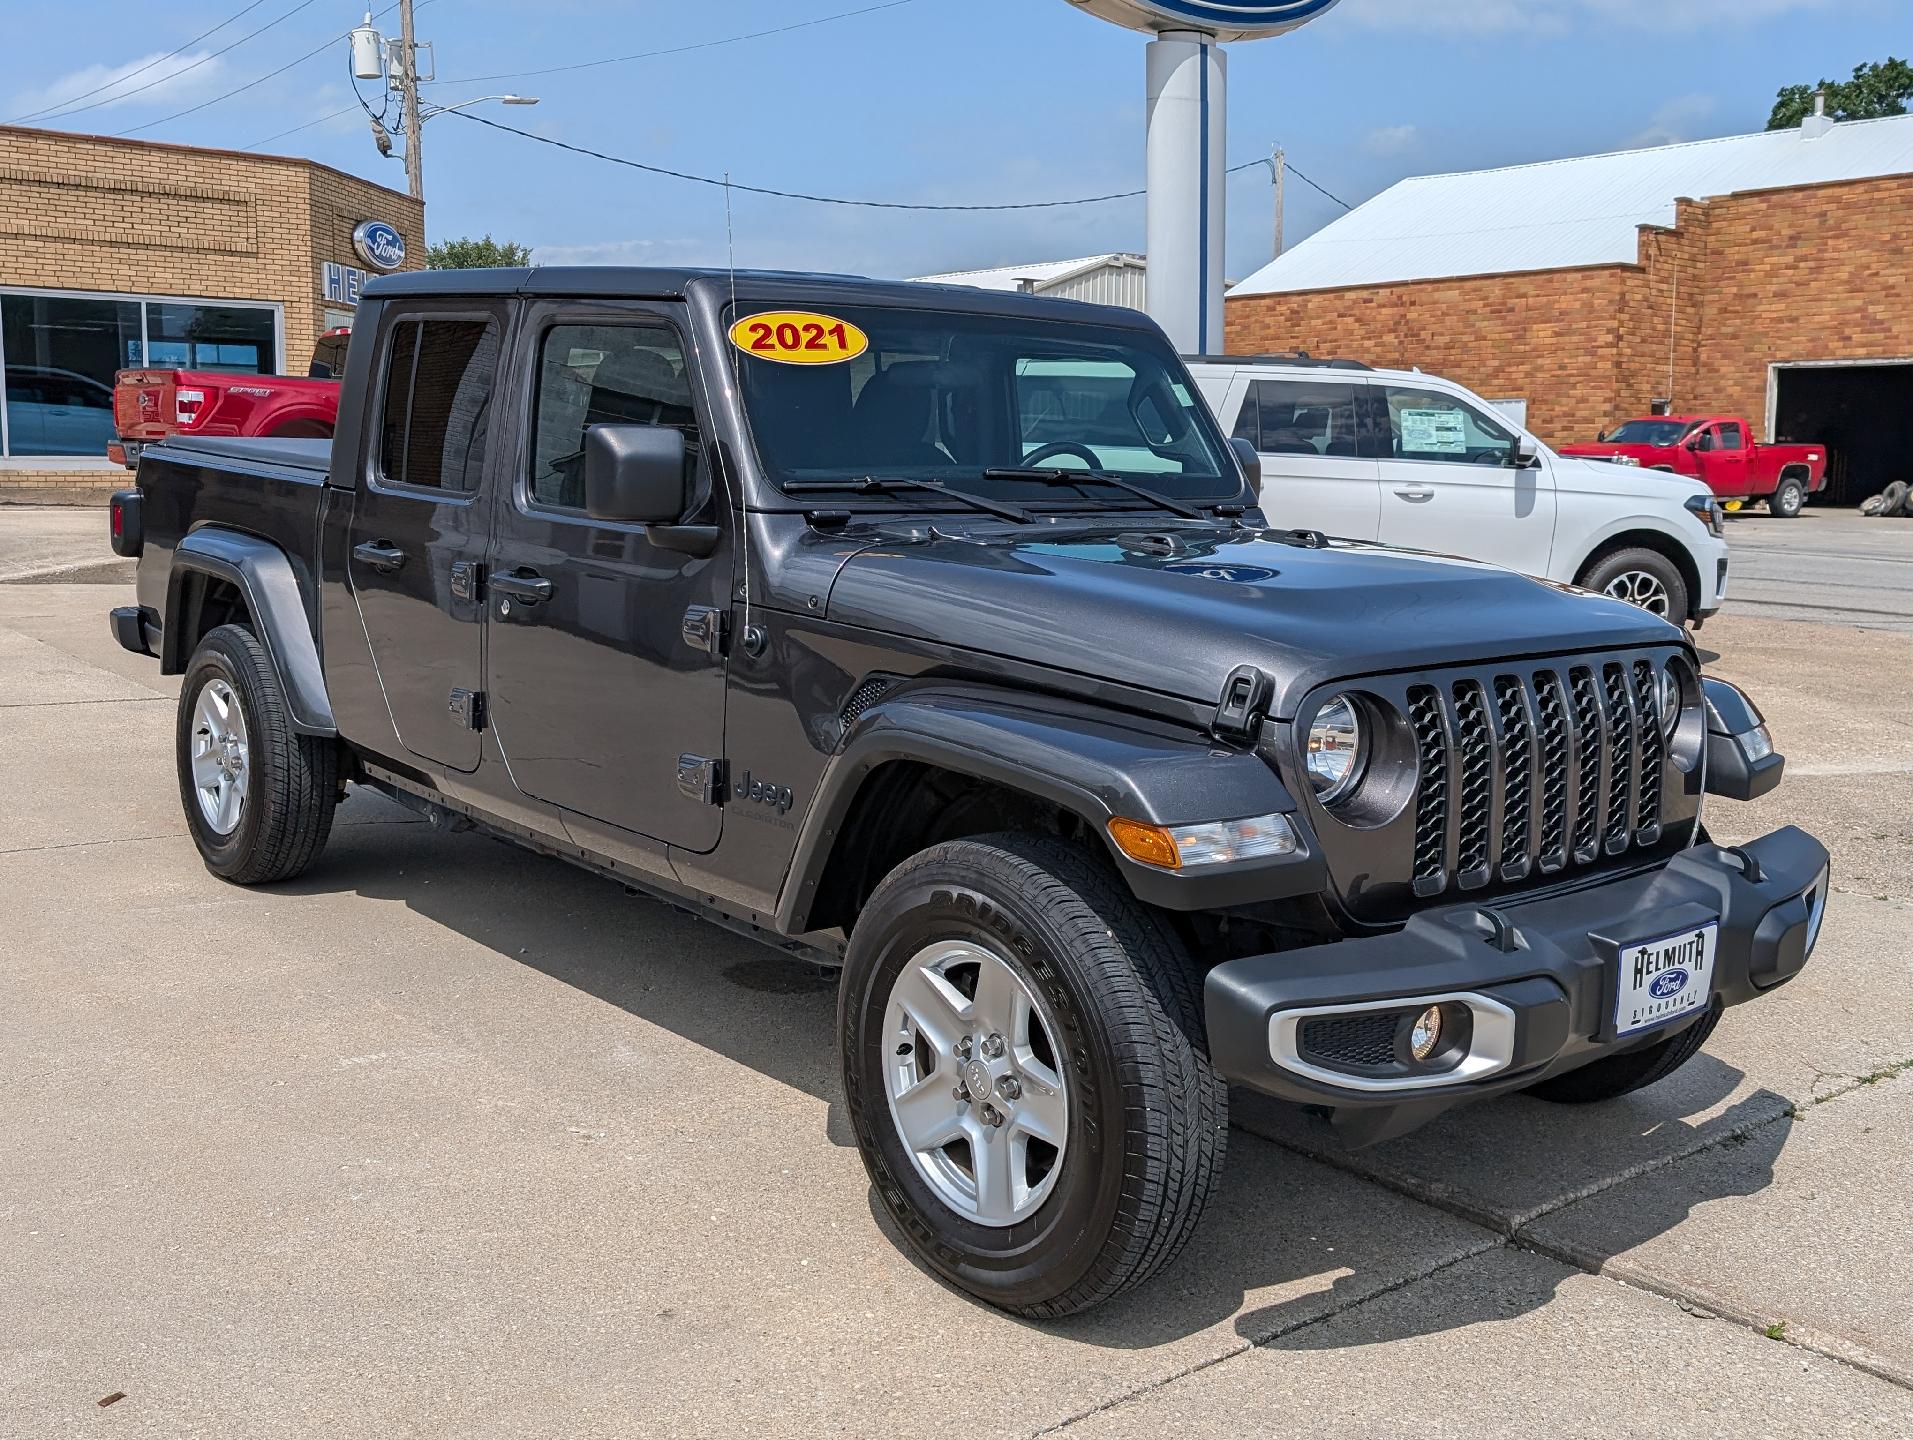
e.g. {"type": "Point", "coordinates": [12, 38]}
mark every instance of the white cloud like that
{"type": "Point", "coordinates": [149, 80]}
{"type": "Point", "coordinates": [1681, 118]}
{"type": "Point", "coordinates": [1392, 140]}
{"type": "Point", "coordinates": [1559, 17]}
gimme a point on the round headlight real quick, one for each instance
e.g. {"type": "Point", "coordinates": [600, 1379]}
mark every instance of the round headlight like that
{"type": "Point", "coordinates": [1336, 750]}
{"type": "Point", "coordinates": [1670, 702]}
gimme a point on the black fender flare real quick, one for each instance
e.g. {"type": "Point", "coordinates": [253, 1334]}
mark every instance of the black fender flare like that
{"type": "Point", "coordinates": [263, 574]}
{"type": "Point", "coordinates": [1096, 765]}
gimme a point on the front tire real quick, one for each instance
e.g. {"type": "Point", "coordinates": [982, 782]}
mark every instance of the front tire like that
{"type": "Point", "coordinates": [1787, 502]}
{"type": "Point", "coordinates": [1025, 1071]}
{"type": "Point", "coordinates": [1641, 577]}
{"type": "Point", "coordinates": [258, 795]}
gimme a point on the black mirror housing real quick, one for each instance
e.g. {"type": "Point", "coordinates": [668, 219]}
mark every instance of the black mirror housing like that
{"type": "Point", "coordinates": [636, 474]}
{"type": "Point", "coordinates": [1251, 462]}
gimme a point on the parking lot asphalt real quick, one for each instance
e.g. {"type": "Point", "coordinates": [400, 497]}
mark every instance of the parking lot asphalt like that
{"type": "Point", "coordinates": [446, 1138]}
{"type": "Point", "coordinates": [1826, 566]}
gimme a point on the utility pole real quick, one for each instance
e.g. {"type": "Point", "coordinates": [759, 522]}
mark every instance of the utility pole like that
{"type": "Point", "coordinates": [405, 81]}
{"type": "Point", "coordinates": [1279, 165]}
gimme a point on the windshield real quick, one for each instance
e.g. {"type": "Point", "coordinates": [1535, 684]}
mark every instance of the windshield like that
{"type": "Point", "coordinates": [1659, 433]}
{"type": "Point", "coordinates": [946, 397]}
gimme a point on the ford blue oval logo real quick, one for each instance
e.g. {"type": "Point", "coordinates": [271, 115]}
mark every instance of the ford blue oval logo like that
{"type": "Point", "coordinates": [1668, 984]}
{"type": "Point", "coordinates": [379, 245]}
{"type": "Point", "coordinates": [1228, 19]}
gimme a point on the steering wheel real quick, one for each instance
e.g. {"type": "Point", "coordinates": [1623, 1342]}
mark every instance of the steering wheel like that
{"type": "Point", "coordinates": [1064, 447]}
{"type": "Point", "coordinates": [1490, 457]}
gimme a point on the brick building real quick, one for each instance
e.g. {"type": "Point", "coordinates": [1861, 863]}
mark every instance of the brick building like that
{"type": "Point", "coordinates": [1769, 275]}
{"type": "Point", "coordinates": [119, 253]}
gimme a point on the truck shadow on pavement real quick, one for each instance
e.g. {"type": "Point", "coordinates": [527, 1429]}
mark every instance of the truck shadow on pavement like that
{"type": "Point", "coordinates": [1289, 1241]}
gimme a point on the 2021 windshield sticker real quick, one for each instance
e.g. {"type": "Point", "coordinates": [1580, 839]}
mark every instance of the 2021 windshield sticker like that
{"type": "Point", "coordinates": [798, 337]}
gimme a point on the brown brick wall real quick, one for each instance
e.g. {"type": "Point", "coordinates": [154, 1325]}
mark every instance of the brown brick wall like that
{"type": "Point", "coordinates": [81, 212]}
{"type": "Point", "coordinates": [1740, 282]}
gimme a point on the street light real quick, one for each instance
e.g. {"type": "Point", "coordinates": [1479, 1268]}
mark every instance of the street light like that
{"type": "Point", "coordinates": [426, 112]}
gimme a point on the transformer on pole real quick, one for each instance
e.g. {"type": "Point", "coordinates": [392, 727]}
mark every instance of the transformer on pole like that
{"type": "Point", "coordinates": [1188, 77]}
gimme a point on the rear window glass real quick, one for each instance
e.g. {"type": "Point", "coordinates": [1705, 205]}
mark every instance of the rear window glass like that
{"type": "Point", "coordinates": [436, 415]}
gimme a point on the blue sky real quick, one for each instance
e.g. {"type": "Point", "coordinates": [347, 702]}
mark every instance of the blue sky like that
{"type": "Point", "coordinates": [933, 101]}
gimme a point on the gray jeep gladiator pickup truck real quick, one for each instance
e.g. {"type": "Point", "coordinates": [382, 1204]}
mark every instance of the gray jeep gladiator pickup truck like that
{"type": "Point", "coordinates": [941, 637]}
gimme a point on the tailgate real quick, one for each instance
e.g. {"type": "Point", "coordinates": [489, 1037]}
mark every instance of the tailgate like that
{"type": "Point", "coordinates": [145, 404]}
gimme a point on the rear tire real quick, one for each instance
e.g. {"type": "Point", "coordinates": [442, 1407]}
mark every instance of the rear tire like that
{"type": "Point", "coordinates": [1142, 1117]}
{"type": "Point", "coordinates": [1641, 577]}
{"type": "Point", "coordinates": [258, 795]}
{"type": "Point", "coordinates": [1787, 502]}
{"type": "Point", "coordinates": [1620, 1075]}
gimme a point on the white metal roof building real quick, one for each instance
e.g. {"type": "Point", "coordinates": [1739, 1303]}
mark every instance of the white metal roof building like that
{"type": "Point", "coordinates": [1568, 213]}
{"type": "Point", "coordinates": [1766, 276]}
{"type": "Point", "coordinates": [1113, 279]}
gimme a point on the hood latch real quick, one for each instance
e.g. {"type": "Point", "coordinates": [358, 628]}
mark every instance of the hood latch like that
{"type": "Point", "coordinates": [1246, 696]}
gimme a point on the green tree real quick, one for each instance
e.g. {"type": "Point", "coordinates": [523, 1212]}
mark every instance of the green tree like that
{"type": "Point", "coordinates": [469, 254]}
{"type": "Point", "coordinates": [1876, 90]}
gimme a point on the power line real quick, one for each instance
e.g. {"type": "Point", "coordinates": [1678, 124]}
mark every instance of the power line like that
{"type": "Point", "coordinates": [1313, 186]}
{"type": "Point", "coordinates": [183, 70]}
{"type": "Point", "coordinates": [254, 84]}
{"type": "Point", "coordinates": [307, 126]}
{"type": "Point", "coordinates": [679, 49]}
{"type": "Point", "coordinates": [156, 60]}
{"type": "Point", "coordinates": [803, 195]}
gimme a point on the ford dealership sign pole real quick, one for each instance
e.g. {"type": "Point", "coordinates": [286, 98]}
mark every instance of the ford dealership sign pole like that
{"type": "Point", "coordinates": [1188, 131]}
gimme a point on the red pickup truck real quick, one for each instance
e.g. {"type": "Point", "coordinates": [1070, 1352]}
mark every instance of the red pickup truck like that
{"type": "Point", "coordinates": [149, 405]}
{"type": "Point", "coordinates": [1720, 452]}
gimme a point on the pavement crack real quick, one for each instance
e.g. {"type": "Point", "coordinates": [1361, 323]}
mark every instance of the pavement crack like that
{"type": "Point", "coordinates": [114, 700]}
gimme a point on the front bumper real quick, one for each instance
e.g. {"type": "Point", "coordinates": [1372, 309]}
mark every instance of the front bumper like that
{"type": "Point", "coordinates": [1546, 971]}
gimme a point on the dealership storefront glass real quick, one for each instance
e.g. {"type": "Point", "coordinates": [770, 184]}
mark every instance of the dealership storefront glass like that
{"type": "Point", "coordinates": [59, 352]}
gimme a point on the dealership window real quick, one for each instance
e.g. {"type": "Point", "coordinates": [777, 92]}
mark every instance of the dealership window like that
{"type": "Point", "coordinates": [59, 354]}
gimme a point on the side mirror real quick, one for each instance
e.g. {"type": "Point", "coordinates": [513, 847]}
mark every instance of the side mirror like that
{"type": "Point", "coordinates": [1250, 460]}
{"type": "Point", "coordinates": [1523, 453]}
{"type": "Point", "coordinates": [636, 474]}
{"type": "Point", "coordinates": [1601, 439]}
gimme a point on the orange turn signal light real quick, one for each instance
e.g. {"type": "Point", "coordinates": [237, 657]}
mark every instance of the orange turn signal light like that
{"type": "Point", "coordinates": [1149, 844]}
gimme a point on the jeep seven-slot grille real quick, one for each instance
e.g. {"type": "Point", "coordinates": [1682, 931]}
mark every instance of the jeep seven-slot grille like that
{"type": "Point", "coordinates": [1545, 770]}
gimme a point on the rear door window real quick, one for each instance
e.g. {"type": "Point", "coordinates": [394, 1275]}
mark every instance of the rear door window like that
{"type": "Point", "coordinates": [1302, 417]}
{"type": "Point", "coordinates": [435, 416]}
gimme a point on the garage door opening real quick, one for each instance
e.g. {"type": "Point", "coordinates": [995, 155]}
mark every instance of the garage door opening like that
{"type": "Point", "coordinates": [1863, 414]}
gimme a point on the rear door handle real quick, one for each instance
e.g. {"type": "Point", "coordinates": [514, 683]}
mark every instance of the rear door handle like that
{"type": "Point", "coordinates": [1417, 493]}
{"type": "Point", "coordinates": [525, 586]}
{"type": "Point", "coordinates": [379, 554]}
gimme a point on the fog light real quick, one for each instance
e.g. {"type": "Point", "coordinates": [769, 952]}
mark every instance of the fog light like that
{"type": "Point", "coordinates": [1425, 1039]}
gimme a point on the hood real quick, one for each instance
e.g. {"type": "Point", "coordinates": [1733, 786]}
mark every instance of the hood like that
{"type": "Point", "coordinates": [1175, 611]}
{"type": "Point", "coordinates": [1601, 450]}
{"type": "Point", "coordinates": [1593, 474]}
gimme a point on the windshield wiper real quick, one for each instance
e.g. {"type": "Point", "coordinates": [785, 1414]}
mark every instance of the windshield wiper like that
{"type": "Point", "coordinates": [1063, 476]}
{"type": "Point", "coordinates": [879, 484]}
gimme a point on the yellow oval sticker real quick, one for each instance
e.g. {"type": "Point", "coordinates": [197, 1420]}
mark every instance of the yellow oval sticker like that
{"type": "Point", "coordinates": [797, 337]}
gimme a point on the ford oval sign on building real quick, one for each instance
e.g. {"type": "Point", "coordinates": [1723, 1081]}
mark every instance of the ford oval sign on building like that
{"type": "Point", "coordinates": [380, 245]}
{"type": "Point", "coordinates": [1188, 145]}
{"type": "Point", "coordinates": [1224, 19]}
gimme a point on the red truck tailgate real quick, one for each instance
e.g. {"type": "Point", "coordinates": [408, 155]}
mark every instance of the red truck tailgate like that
{"type": "Point", "coordinates": [145, 404]}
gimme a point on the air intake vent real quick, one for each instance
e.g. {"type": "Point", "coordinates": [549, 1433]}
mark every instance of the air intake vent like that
{"type": "Point", "coordinates": [863, 697]}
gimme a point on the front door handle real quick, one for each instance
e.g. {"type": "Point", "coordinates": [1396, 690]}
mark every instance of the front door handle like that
{"type": "Point", "coordinates": [379, 554]}
{"type": "Point", "coordinates": [525, 586]}
{"type": "Point", "coordinates": [1416, 493]}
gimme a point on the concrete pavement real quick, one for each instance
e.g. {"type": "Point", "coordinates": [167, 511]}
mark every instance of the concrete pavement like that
{"type": "Point", "coordinates": [1826, 566]}
{"type": "Point", "coordinates": [446, 1138]}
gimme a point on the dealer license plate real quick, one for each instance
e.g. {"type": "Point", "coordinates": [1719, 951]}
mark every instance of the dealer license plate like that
{"type": "Point", "coordinates": [1662, 980]}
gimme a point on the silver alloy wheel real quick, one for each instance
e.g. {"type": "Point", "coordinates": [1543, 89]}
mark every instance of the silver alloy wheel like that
{"type": "Point", "coordinates": [221, 767]}
{"type": "Point", "coordinates": [975, 1082]}
{"type": "Point", "coordinates": [1637, 587]}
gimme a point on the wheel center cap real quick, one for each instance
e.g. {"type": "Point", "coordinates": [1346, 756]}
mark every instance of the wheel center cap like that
{"type": "Point", "coordinates": [976, 1079]}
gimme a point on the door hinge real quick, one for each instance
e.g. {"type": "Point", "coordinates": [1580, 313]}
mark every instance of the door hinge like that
{"type": "Point", "coordinates": [1245, 700]}
{"type": "Point", "coordinates": [700, 779]}
{"type": "Point", "coordinates": [468, 578]}
{"type": "Point", "coordinates": [468, 708]}
{"type": "Point", "coordinates": [706, 629]}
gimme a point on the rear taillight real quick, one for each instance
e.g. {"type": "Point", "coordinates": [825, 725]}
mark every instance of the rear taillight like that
{"type": "Point", "coordinates": [187, 405]}
{"type": "Point", "coordinates": [128, 524]}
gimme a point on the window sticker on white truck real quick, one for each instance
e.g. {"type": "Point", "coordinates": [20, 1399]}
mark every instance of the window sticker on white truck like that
{"type": "Point", "coordinates": [1434, 432]}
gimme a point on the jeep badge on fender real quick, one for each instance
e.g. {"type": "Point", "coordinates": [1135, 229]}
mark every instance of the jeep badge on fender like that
{"type": "Point", "coordinates": [1115, 796]}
